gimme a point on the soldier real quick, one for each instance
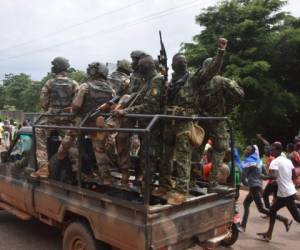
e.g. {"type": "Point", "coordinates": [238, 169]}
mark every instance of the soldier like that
{"type": "Point", "coordinates": [56, 97]}
{"type": "Point", "coordinates": [181, 95]}
{"type": "Point", "coordinates": [147, 102]}
{"type": "Point", "coordinates": [120, 79]}
{"type": "Point", "coordinates": [135, 78]}
{"type": "Point", "coordinates": [218, 97]}
{"type": "Point", "coordinates": [91, 95]}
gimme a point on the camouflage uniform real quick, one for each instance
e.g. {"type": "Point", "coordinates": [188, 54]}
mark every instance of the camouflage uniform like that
{"type": "Point", "coordinates": [135, 78]}
{"type": "Point", "coordinates": [120, 79]}
{"type": "Point", "coordinates": [56, 96]}
{"type": "Point", "coordinates": [91, 95]}
{"type": "Point", "coordinates": [217, 99]}
{"type": "Point", "coordinates": [182, 94]}
{"type": "Point", "coordinates": [147, 102]}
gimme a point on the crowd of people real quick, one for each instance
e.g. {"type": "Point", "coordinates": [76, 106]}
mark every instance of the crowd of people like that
{"type": "Point", "coordinates": [280, 171]}
{"type": "Point", "coordinates": [8, 129]}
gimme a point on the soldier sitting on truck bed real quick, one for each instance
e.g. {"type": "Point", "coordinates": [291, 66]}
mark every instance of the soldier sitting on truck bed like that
{"type": "Point", "coordinates": [92, 94]}
{"type": "Point", "coordinates": [56, 97]}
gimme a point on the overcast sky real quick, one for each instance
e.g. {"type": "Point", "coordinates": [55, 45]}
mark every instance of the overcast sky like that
{"type": "Point", "coordinates": [33, 32]}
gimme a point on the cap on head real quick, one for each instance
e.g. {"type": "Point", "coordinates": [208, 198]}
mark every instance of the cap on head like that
{"type": "Point", "coordinates": [60, 64]}
{"type": "Point", "coordinates": [97, 69]}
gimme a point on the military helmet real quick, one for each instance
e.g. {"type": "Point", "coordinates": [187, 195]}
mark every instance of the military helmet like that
{"type": "Point", "coordinates": [60, 64]}
{"type": "Point", "coordinates": [97, 69]}
{"type": "Point", "coordinates": [206, 62]}
{"type": "Point", "coordinates": [124, 65]}
{"type": "Point", "coordinates": [137, 54]}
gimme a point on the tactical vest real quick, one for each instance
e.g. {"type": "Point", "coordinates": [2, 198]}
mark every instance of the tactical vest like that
{"type": "Point", "coordinates": [212, 101]}
{"type": "Point", "coordinates": [61, 93]}
{"type": "Point", "coordinates": [99, 92]}
{"type": "Point", "coordinates": [185, 97]}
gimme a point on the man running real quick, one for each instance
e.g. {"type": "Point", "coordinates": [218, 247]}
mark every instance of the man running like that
{"type": "Point", "coordinates": [283, 171]}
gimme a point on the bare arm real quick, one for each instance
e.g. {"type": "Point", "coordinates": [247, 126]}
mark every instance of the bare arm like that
{"type": "Point", "coordinates": [79, 98]}
{"type": "Point", "coordinates": [264, 141]}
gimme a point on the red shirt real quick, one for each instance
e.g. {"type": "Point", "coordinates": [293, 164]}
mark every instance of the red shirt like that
{"type": "Point", "coordinates": [206, 171]}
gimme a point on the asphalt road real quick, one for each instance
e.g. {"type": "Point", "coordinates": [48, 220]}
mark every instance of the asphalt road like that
{"type": "Point", "coordinates": [33, 235]}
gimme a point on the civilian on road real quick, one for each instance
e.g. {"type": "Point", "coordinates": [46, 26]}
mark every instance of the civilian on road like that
{"type": "Point", "coordinates": [251, 177]}
{"type": "Point", "coordinates": [283, 171]}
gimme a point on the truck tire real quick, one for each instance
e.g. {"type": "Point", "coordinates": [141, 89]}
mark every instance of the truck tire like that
{"type": "Point", "coordinates": [79, 236]}
{"type": "Point", "coordinates": [232, 236]}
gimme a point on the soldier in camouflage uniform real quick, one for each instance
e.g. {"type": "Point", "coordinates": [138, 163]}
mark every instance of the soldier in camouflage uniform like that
{"type": "Point", "coordinates": [120, 79]}
{"type": "Point", "coordinates": [147, 102]}
{"type": "Point", "coordinates": [56, 97]}
{"type": "Point", "coordinates": [218, 96]}
{"type": "Point", "coordinates": [90, 96]}
{"type": "Point", "coordinates": [135, 78]}
{"type": "Point", "coordinates": [177, 140]}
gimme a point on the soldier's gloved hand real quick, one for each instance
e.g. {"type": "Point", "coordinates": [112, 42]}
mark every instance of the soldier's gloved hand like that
{"type": "Point", "coordinates": [222, 43]}
{"type": "Point", "coordinates": [118, 112]}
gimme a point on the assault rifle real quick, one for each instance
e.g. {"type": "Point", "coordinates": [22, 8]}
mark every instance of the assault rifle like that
{"type": "Point", "coordinates": [105, 107]}
{"type": "Point", "coordinates": [115, 103]}
{"type": "Point", "coordinates": [163, 60]}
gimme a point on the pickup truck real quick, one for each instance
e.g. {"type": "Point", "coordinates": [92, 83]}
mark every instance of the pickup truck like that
{"type": "Point", "coordinates": [105, 217]}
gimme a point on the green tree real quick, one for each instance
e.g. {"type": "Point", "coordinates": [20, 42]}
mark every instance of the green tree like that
{"type": "Point", "coordinates": [2, 97]}
{"type": "Point", "coordinates": [14, 87]}
{"type": "Point", "coordinates": [263, 55]}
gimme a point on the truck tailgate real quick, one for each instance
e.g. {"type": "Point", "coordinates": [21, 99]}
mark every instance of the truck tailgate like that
{"type": "Point", "coordinates": [198, 217]}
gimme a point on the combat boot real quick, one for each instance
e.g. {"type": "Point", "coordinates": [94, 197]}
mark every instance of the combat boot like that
{"type": "Point", "coordinates": [160, 192]}
{"type": "Point", "coordinates": [42, 172]}
{"type": "Point", "coordinates": [176, 198]}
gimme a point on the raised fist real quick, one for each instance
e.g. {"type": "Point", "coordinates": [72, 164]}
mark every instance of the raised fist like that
{"type": "Point", "coordinates": [222, 43]}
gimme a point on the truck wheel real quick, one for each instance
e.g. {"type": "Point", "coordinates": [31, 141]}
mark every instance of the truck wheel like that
{"type": "Point", "coordinates": [78, 236]}
{"type": "Point", "coordinates": [232, 236]}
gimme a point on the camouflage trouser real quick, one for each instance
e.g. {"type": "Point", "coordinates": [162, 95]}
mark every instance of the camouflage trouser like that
{"type": "Point", "coordinates": [217, 132]}
{"type": "Point", "coordinates": [104, 163]}
{"type": "Point", "coordinates": [67, 146]}
{"type": "Point", "coordinates": [123, 145]}
{"type": "Point", "coordinates": [177, 152]}
{"type": "Point", "coordinates": [122, 141]}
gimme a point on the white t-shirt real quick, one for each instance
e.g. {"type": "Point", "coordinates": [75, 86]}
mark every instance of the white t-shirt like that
{"type": "Point", "coordinates": [285, 183]}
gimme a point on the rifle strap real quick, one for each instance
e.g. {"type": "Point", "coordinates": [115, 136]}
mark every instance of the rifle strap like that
{"type": "Point", "coordinates": [137, 95]}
